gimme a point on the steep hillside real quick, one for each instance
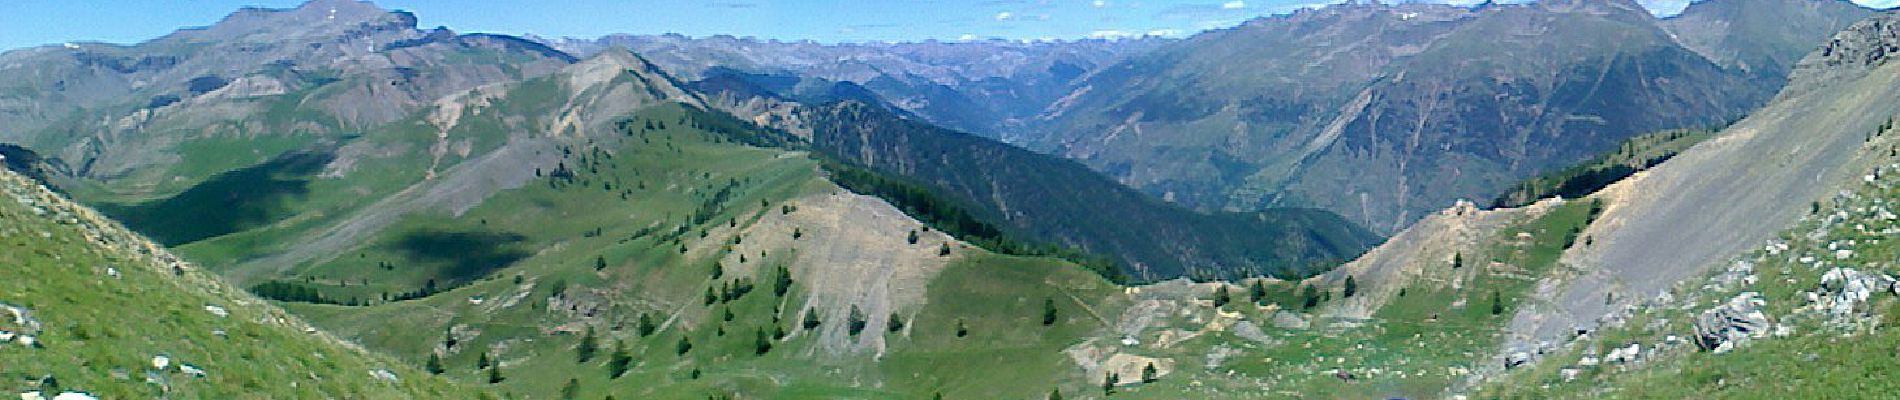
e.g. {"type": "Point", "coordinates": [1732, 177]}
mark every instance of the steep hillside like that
{"type": "Point", "coordinates": [991, 88]}
{"type": "Point", "coordinates": [1058, 201]}
{"type": "Point", "coordinates": [1734, 191]}
{"type": "Point", "coordinates": [89, 307]}
{"type": "Point", "coordinates": [133, 122]}
{"type": "Point", "coordinates": [1384, 113]}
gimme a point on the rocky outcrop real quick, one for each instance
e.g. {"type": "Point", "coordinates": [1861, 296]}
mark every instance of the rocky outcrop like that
{"type": "Point", "coordinates": [1722, 328]}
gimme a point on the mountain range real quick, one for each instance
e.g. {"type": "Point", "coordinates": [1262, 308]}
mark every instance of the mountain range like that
{"type": "Point", "coordinates": [331, 202]}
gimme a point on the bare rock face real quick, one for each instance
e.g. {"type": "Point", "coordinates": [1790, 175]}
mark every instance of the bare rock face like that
{"type": "Point", "coordinates": [1724, 327]}
{"type": "Point", "coordinates": [1853, 52]}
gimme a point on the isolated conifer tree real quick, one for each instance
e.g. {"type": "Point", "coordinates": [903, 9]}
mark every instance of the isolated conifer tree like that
{"type": "Point", "coordinates": [434, 366]}
{"type": "Point", "coordinates": [1048, 311]}
{"type": "Point", "coordinates": [494, 374]}
{"type": "Point", "coordinates": [571, 390]}
{"type": "Point", "coordinates": [618, 363]}
{"type": "Point", "coordinates": [1352, 287]}
{"type": "Point", "coordinates": [1257, 292]}
{"type": "Point", "coordinates": [1220, 296]}
{"type": "Point", "coordinates": [811, 319]}
{"type": "Point", "coordinates": [1148, 373]}
{"type": "Point", "coordinates": [584, 352]}
{"type": "Point", "coordinates": [856, 321]}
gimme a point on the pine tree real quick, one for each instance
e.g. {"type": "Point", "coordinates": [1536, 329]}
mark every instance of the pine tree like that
{"type": "Point", "coordinates": [811, 319]}
{"type": "Point", "coordinates": [718, 270]}
{"type": "Point", "coordinates": [434, 366]}
{"type": "Point", "coordinates": [1108, 384]}
{"type": "Point", "coordinates": [896, 324]}
{"type": "Point", "coordinates": [571, 390]}
{"type": "Point", "coordinates": [618, 363]}
{"type": "Point", "coordinates": [600, 263]}
{"type": "Point", "coordinates": [1497, 303]}
{"type": "Point", "coordinates": [913, 237]}
{"type": "Point", "coordinates": [710, 296]}
{"type": "Point", "coordinates": [1055, 394]}
{"type": "Point", "coordinates": [1220, 296]}
{"type": "Point", "coordinates": [783, 284]}
{"type": "Point", "coordinates": [646, 325]}
{"type": "Point", "coordinates": [588, 346]}
{"type": "Point", "coordinates": [1311, 296]}
{"type": "Point", "coordinates": [1257, 292]}
{"type": "Point", "coordinates": [684, 346]}
{"type": "Point", "coordinates": [856, 323]}
{"type": "Point", "coordinates": [943, 250]}
{"type": "Point", "coordinates": [482, 362]}
{"type": "Point", "coordinates": [1148, 373]}
{"type": "Point", "coordinates": [761, 344]}
{"type": "Point", "coordinates": [1457, 260]}
{"type": "Point", "coordinates": [494, 374]}
{"type": "Point", "coordinates": [1352, 287]}
{"type": "Point", "coordinates": [1048, 311]}
{"type": "Point", "coordinates": [962, 330]}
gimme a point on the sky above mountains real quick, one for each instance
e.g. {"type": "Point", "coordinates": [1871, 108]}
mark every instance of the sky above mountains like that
{"type": "Point", "coordinates": [26, 23]}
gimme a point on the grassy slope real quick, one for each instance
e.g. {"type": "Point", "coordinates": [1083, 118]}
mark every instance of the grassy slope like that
{"type": "Point", "coordinates": [1401, 352]}
{"type": "Point", "coordinates": [97, 326]}
{"type": "Point", "coordinates": [679, 168]}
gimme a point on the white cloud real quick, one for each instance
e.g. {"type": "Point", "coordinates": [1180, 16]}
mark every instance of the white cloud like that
{"type": "Point", "coordinates": [966, 37]}
{"type": "Point", "coordinates": [1004, 16]}
{"type": "Point", "coordinates": [1110, 34]}
{"type": "Point", "coordinates": [1233, 5]}
{"type": "Point", "coordinates": [1164, 32]}
{"type": "Point", "coordinates": [1099, 3]}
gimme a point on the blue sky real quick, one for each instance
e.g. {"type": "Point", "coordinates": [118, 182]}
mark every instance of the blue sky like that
{"type": "Point", "coordinates": [36, 22]}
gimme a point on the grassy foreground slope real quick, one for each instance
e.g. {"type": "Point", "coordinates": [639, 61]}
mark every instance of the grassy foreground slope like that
{"type": "Point", "coordinates": [101, 303]}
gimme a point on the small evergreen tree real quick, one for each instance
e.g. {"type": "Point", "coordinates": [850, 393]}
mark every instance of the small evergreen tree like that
{"type": "Point", "coordinates": [494, 374]}
{"type": "Point", "coordinates": [943, 250]}
{"type": "Point", "coordinates": [571, 390]}
{"type": "Point", "coordinates": [1048, 311]}
{"type": "Point", "coordinates": [896, 324]}
{"type": "Point", "coordinates": [618, 363]}
{"type": "Point", "coordinates": [1311, 297]}
{"type": "Point", "coordinates": [856, 323]}
{"type": "Point", "coordinates": [1257, 292]}
{"type": "Point", "coordinates": [718, 270]}
{"type": "Point", "coordinates": [783, 284]}
{"type": "Point", "coordinates": [584, 352]}
{"type": "Point", "coordinates": [1055, 394]}
{"type": "Point", "coordinates": [962, 330]}
{"type": "Point", "coordinates": [434, 366]}
{"type": "Point", "coordinates": [1352, 287]}
{"type": "Point", "coordinates": [1497, 303]}
{"type": "Point", "coordinates": [1457, 260]}
{"type": "Point", "coordinates": [482, 362]}
{"type": "Point", "coordinates": [646, 325]}
{"type": "Point", "coordinates": [1148, 373]}
{"type": "Point", "coordinates": [761, 344]}
{"type": "Point", "coordinates": [1108, 384]}
{"type": "Point", "coordinates": [811, 318]}
{"type": "Point", "coordinates": [1220, 296]}
{"type": "Point", "coordinates": [711, 297]}
{"type": "Point", "coordinates": [684, 346]}
{"type": "Point", "coordinates": [600, 263]}
{"type": "Point", "coordinates": [912, 238]}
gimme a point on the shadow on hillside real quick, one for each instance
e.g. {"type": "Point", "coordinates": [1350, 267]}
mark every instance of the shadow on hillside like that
{"type": "Point", "coordinates": [227, 203]}
{"type": "Point", "coordinates": [463, 256]}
